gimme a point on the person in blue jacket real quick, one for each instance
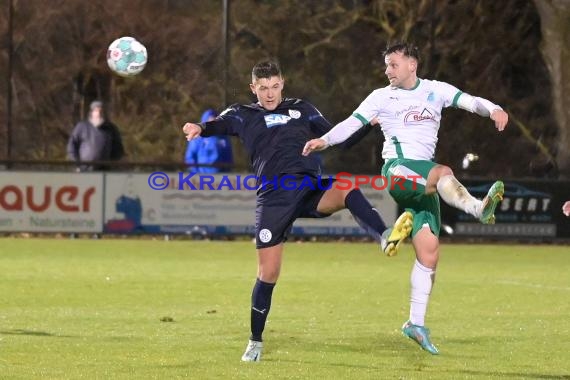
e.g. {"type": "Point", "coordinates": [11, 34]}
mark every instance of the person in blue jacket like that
{"type": "Point", "coordinates": [209, 150]}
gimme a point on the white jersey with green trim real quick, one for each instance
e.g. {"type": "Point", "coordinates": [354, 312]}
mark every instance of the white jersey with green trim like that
{"type": "Point", "coordinates": [409, 118]}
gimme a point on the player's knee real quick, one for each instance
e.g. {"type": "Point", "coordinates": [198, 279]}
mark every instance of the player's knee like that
{"type": "Point", "coordinates": [269, 263]}
{"type": "Point", "coordinates": [268, 274]}
{"type": "Point", "coordinates": [428, 257]}
{"type": "Point", "coordinates": [426, 245]}
{"type": "Point", "coordinates": [333, 200]}
{"type": "Point", "coordinates": [344, 193]}
{"type": "Point", "coordinates": [337, 196]}
{"type": "Point", "coordinates": [434, 176]}
{"type": "Point", "coordinates": [443, 170]}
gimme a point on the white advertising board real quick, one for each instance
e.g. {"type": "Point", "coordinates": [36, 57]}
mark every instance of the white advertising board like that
{"type": "Point", "coordinates": [133, 206]}
{"type": "Point", "coordinates": [51, 202]}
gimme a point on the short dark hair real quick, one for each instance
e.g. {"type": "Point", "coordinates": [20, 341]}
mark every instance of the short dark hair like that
{"type": "Point", "coordinates": [409, 50]}
{"type": "Point", "coordinates": [266, 69]}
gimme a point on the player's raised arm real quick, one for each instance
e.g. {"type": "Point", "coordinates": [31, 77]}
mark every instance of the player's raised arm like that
{"type": "Point", "coordinates": [341, 132]}
{"type": "Point", "coordinates": [226, 123]}
{"type": "Point", "coordinates": [485, 108]}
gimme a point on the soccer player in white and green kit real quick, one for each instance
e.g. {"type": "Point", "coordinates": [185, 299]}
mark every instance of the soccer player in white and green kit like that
{"type": "Point", "coordinates": [409, 113]}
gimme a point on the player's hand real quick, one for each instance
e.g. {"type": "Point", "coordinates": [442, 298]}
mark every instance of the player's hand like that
{"type": "Point", "coordinates": [501, 118]}
{"type": "Point", "coordinates": [191, 130]}
{"type": "Point", "coordinates": [566, 208]}
{"type": "Point", "coordinates": [314, 145]}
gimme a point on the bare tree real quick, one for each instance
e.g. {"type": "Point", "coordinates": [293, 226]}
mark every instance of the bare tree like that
{"type": "Point", "coordinates": [555, 47]}
{"type": "Point", "coordinates": [333, 56]}
{"type": "Point", "coordinates": [60, 65]}
{"type": "Point", "coordinates": [331, 53]}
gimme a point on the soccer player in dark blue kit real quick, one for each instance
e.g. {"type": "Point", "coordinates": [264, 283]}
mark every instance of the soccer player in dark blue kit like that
{"type": "Point", "coordinates": [274, 131]}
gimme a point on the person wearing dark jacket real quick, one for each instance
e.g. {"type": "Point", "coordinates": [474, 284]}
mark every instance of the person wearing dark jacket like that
{"type": "Point", "coordinates": [95, 139]}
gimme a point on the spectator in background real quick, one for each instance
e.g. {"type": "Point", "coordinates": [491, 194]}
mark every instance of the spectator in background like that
{"type": "Point", "coordinates": [566, 208]}
{"type": "Point", "coordinates": [95, 139]}
{"type": "Point", "coordinates": [209, 150]}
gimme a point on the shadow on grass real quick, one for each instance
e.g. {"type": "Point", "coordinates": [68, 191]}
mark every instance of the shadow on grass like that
{"type": "Point", "coordinates": [420, 363]}
{"type": "Point", "coordinates": [34, 333]}
{"type": "Point", "coordinates": [385, 345]}
{"type": "Point", "coordinates": [420, 370]}
{"type": "Point", "coordinates": [322, 364]}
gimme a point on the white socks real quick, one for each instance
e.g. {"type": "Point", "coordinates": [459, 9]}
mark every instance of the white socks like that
{"type": "Point", "coordinates": [455, 194]}
{"type": "Point", "coordinates": [422, 281]}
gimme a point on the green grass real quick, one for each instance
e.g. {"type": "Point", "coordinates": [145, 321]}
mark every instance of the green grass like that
{"type": "Point", "coordinates": [88, 309]}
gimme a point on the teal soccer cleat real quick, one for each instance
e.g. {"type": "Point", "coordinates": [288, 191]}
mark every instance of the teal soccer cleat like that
{"type": "Point", "coordinates": [420, 335]}
{"type": "Point", "coordinates": [490, 202]}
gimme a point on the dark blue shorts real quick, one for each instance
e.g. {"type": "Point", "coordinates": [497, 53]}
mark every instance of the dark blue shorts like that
{"type": "Point", "coordinates": [278, 207]}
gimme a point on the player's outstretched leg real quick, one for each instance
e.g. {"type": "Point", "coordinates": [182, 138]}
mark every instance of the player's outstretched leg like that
{"type": "Point", "coordinates": [490, 202]}
{"type": "Point", "coordinates": [456, 195]}
{"type": "Point", "coordinates": [395, 235]}
{"type": "Point", "coordinates": [419, 334]}
{"type": "Point", "coordinates": [252, 352]}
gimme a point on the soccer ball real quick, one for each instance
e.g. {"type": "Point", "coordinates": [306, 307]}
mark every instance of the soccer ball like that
{"type": "Point", "coordinates": [126, 56]}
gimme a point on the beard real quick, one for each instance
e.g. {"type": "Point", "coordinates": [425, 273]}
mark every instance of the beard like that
{"type": "Point", "coordinates": [96, 121]}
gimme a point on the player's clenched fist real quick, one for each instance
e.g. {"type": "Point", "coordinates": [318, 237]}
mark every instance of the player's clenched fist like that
{"type": "Point", "coordinates": [566, 208]}
{"type": "Point", "coordinates": [314, 145]}
{"type": "Point", "coordinates": [191, 130]}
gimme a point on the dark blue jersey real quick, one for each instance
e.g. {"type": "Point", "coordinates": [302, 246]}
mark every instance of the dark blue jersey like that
{"type": "Point", "coordinates": [274, 139]}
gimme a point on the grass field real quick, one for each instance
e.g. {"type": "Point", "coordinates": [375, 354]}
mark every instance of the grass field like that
{"type": "Point", "coordinates": [100, 309]}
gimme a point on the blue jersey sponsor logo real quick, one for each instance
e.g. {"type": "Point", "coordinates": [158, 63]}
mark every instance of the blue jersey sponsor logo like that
{"type": "Point", "coordinates": [275, 119]}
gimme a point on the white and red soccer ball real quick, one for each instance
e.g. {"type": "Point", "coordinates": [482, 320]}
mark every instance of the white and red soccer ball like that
{"type": "Point", "coordinates": [126, 56]}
